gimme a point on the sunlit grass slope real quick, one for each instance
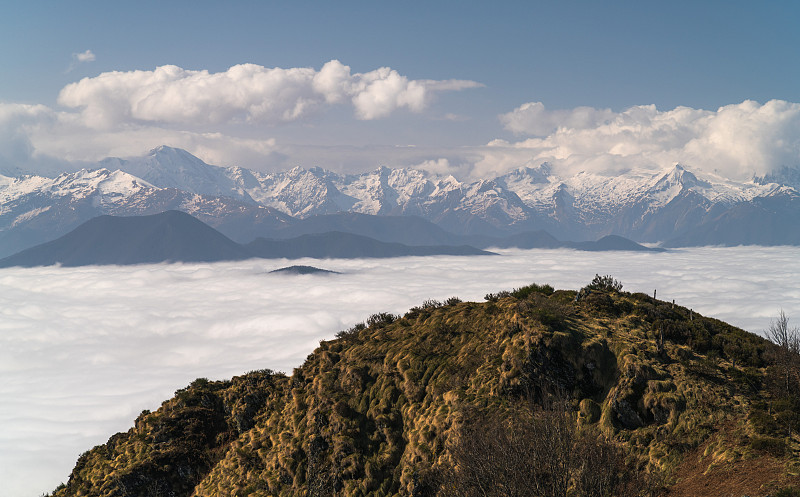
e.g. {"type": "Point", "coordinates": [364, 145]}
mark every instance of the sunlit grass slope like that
{"type": "Point", "coordinates": [384, 409]}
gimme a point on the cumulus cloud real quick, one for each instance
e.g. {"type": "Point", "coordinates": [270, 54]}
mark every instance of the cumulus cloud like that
{"type": "Point", "coordinates": [18, 151]}
{"type": "Point", "coordinates": [246, 93]}
{"type": "Point", "coordinates": [84, 350]}
{"type": "Point", "coordinates": [35, 139]}
{"type": "Point", "coordinates": [739, 140]}
{"type": "Point", "coordinates": [72, 141]}
{"type": "Point", "coordinates": [533, 119]}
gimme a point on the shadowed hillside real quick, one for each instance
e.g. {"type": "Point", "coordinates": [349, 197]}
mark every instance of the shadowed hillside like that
{"type": "Point", "coordinates": [534, 392]}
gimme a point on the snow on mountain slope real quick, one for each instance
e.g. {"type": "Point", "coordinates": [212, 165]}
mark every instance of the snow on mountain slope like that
{"type": "Point", "coordinates": [167, 167]}
{"type": "Point", "coordinates": [100, 185]}
{"type": "Point", "coordinates": [34, 209]}
{"type": "Point", "coordinates": [524, 196]}
{"type": "Point", "coordinates": [642, 205]}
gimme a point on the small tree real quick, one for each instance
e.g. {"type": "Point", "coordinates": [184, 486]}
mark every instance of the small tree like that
{"type": "Point", "coordinates": [787, 352]}
{"type": "Point", "coordinates": [606, 283]}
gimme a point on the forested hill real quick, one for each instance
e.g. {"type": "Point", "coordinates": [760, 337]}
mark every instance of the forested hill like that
{"type": "Point", "coordinates": [533, 392]}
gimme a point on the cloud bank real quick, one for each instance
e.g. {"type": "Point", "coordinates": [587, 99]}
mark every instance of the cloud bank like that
{"type": "Point", "coordinates": [246, 93]}
{"type": "Point", "coordinates": [260, 117]}
{"type": "Point", "coordinates": [736, 141]}
{"type": "Point", "coordinates": [84, 350]}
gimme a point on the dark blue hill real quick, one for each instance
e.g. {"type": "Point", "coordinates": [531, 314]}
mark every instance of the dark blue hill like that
{"type": "Point", "coordinates": [170, 236]}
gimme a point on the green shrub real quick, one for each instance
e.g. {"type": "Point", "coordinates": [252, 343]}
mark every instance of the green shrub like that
{"type": "Point", "coordinates": [352, 331]}
{"type": "Point", "coordinates": [604, 283]}
{"type": "Point", "coordinates": [526, 291]}
{"type": "Point", "coordinates": [381, 319]}
{"type": "Point", "coordinates": [494, 297]}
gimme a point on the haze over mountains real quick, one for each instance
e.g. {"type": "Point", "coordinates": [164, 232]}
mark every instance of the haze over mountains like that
{"type": "Point", "coordinates": [175, 236]}
{"type": "Point", "coordinates": [675, 207]}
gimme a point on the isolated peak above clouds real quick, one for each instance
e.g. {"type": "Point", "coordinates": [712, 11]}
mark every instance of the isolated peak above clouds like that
{"type": "Point", "coordinates": [246, 93]}
{"type": "Point", "coordinates": [738, 141]}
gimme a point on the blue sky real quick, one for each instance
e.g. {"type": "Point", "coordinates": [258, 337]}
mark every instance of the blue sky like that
{"type": "Point", "coordinates": [564, 55]}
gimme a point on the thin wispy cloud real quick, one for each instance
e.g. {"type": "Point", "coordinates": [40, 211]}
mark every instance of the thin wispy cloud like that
{"type": "Point", "coordinates": [87, 56]}
{"type": "Point", "coordinates": [84, 350]}
{"type": "Point", "coordinates": [80, 58]}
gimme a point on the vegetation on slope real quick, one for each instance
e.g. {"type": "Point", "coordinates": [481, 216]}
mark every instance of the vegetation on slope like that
{"type": "Point", "coordinates": [534, 392]}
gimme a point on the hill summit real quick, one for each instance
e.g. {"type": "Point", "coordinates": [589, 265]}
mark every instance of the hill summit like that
{"type": "Point", "coordinates": [536, 392]}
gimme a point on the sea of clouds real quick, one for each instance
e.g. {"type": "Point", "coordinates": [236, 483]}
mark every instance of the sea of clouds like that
{"type": "Point", "coordinates": [84, 350]}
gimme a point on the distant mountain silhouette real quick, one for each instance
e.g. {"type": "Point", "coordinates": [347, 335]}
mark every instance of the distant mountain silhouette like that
{"type": "Point", "coordinates": [416, 231]}
{"type": "Point", "coordinates": [611, 242]}
{"type": "Point", "coordinates": [410, 230]}
{"type": "Point", "coordinates": [303, 270]}
{"type": "Point", "coordinates": [335, 244]}
{"type": "Point", "coordinates": [174, 236]}
{"type": "Point", "coordinates": [747, 224]}
{"type": "Point", "coordinates": [543, 240]}
{"type": "Point", "coordinates": [526, 240]}
{"type": "Point", "coordinates": [170, 236]}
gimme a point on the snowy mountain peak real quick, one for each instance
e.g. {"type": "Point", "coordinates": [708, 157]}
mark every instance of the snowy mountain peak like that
{"type": "Point", "coordinates": [679, 175]}
{"type": "Point", "coordinates": [168, 167]}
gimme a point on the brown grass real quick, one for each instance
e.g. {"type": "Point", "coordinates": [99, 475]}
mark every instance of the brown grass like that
{"type": "Point", "coordinates": [751, 477]}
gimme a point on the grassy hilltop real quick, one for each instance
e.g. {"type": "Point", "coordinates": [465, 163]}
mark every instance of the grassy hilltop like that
{"type": "Point", "coordinates": [533, 392]}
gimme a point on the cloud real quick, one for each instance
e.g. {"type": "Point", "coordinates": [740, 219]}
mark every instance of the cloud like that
{"type": "Point", "coordinates": [74, 142]}
{"type": "Point", "coordinates": [533, 119]}
{"type": "Point", "coordinates": [80, 58]}
{"type": "Point", "coordinates": [87, 56]}
{"type": "Point", "coordinates": [441, 166]}
{"type": "Point", "coordinates": [35, 139]}
{"type": "Point", "coordinates": [18, 151]}
{"type": "Point", "coordinates": [84, 350]}
{"type": "Point", "coordinates": [245, 93]}
{"type": "Point", "coordinates": [737, 141]}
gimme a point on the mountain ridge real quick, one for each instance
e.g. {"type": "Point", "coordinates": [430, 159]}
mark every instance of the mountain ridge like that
{"type": "Point", "coordinates": [676, 206]}
{"type": "Point", "coordinates": [174, 236]}
{"type": "Point", "coordinates": [410, 405]}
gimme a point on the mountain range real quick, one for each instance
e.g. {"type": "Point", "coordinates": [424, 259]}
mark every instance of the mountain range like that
{"type": "Point", "coordinates": [674, 207]}
{"type": "Point", "coordinates": [175, 236]}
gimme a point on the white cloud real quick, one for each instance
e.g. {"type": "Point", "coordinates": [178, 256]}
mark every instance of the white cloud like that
{"type": "Point", "coordinates": [736, 141]}
{"type": "Point", "coordinates": [533, 119]}
{"type": "Point", "coordinates": [87, 56]}
{"type": "Point", "coordinates": [245, 93]}
{"type": "Point", "coordinates": [439, 166]}
{"type": "Point", "coordinates": [18, 151]}
{"type": "Point", "coordinates": [84, 350]}
{"type": "Point", "coordinates": [232, 117]}
{"type": "Point", "coordinates": [35, 139]}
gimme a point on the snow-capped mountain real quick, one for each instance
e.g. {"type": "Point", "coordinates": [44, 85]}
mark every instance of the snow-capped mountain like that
{"type": "Point", "coordinates": [34, 209]}
{"type": "Point", "coordinates": [676, 205]}
{"type": "Point", "coordinates": [168, 167]}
